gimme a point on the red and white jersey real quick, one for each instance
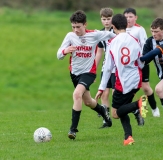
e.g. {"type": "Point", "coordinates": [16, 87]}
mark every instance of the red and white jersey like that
{"type": "Point", "coordinates": [83, 59]}
{"type": "Point", "coordinates": [123, 52]}
{"type": "Point", "coordinates": [138, 32]}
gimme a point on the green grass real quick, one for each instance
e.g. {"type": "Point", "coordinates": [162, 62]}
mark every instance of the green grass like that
{"type": "Point", "coordinates": [36, 90]}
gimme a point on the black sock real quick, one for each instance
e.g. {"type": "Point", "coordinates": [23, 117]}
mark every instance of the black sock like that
{"type": "Point", "coordinates": [161, 101]}
{"type": "Point", "coordinates": [127, 108]}
{"type": "Point", "coordinates": [75, 120]}
{"type": "Point", "coordinates": [97, 108]}
{"type": "Point", "coordinates": [152, 101]}
{"type": "Point", "coordinates": [125, 121]}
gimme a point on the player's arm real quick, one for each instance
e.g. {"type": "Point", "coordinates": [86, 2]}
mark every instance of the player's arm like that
{"type": "Point", "coordinates": [108, 67]}
{"type": "Point", "coordinates": [65, 47]}
{"type": "Point", "coordinates": [99, 53]}
{"type": "Point", "coordinates": [148, 57]}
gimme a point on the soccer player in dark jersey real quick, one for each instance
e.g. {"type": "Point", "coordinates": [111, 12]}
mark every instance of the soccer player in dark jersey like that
{"type": "Point", "coordinates": [151, 43]}
{"type": "Point", "coordinates": [106, 17]}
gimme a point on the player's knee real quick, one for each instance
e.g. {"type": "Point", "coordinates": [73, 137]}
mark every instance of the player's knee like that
{"type": "Point", "coordinates": [114, 114]}
{"type": "Point", "coordinates": [87, 103]}
{"type": "Point", "coordinates": [146, 88]}
{"type": "Point", "coordinates": [158, 90]}
{"type": "Point", "coordinates": [77, 95]}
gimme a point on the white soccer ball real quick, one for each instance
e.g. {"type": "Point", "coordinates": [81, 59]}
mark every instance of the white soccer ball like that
{"type": "Point", "coordinates": [42, 134]}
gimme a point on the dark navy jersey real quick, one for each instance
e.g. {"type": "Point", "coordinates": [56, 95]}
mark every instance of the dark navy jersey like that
{"type": "Point", "coordinates": [151, 44]}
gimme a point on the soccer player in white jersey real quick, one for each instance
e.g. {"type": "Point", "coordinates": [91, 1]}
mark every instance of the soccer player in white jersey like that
{"type": "Point", "coordinates": [106, 15]}
{"type": "Point", "coordinates": [124, 52]}
{"type": "Point", "coordinates": [81, 44]}
{"type": "Point", "coordinates": [139, 32]}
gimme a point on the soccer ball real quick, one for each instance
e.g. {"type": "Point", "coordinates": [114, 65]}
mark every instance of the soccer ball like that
{"type": "Point", "coordinates": [42, 134]}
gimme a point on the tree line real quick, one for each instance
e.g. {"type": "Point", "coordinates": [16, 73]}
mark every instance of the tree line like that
{"type": "Point", "coordinates": [86, 5]}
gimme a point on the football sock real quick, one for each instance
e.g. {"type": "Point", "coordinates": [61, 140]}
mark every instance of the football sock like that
{"type": "Point", "coordinates": [75, 120]}
{"type": "Point", "coordinates": [127, 108]}
{"type": "Point", "coordinates": [152, 101]}
{"type": "Point", "coordinates": [98, 108]}
{"type": "Point", "coordinates": [161, 99]}
{"type": "Point", "coordinates": [125, 121]}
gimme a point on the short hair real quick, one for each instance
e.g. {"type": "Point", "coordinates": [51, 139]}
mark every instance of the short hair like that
{"type": "Point", "coordinates": [106, 12]}
{"type": "Point", "coordinates": [119, 21]}
{"type": "Point", "coordinates": [130, 10]}
{"type": "Point", "coordinates": [158, 22]}
{"type": "Point", "coordinates": [78, 17]}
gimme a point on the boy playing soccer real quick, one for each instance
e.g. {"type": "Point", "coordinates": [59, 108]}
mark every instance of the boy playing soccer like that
{"type": "Point", "coordinates": [123, 52]}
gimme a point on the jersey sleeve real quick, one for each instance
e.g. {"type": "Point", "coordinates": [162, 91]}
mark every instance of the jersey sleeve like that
{"type": "Point", "coordinates": [104, 35]}
{"type": "Point", "coordinates": [100, 45]}
{"type": "Point", "coordinates": [108, 67]}
{"type": "Point", "coordinates": [66, 43]}
{"type": "Point", "coordinates": [147, 46]}
{"type": "Point", "coordinates": [142, 37]}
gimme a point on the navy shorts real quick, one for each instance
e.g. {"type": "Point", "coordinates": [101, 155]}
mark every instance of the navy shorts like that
{"type": "Point", "coordinates": [120, 99]}
{"type": "Point", "coordinates": [111, 81]}
{"type": "Point", "coordinates": [86, 79]}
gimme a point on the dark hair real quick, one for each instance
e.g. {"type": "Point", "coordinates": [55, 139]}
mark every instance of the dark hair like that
{"type": "Point", "coordinates": [119, 21]}
{"type": "Point", "coordinates": [158, 22]}
{"type": "Point", "coordinates": [106, 12]}
{"type": "Point", "coordinates": [78, 17]}
{"type": "Point", "coordinates": [130, 10]}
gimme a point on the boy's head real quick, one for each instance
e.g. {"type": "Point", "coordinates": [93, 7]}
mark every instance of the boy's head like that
{"type": "Point", "coordinates": [130, 14]}
{"type": "Point", "coordinates": [119, 22]}
{"type": "Point", "coordinates": [78, 22]}
{"type": "Point", "coordinates": [157, 29]}
{"type": "Point", "coordinates": [106, 15]}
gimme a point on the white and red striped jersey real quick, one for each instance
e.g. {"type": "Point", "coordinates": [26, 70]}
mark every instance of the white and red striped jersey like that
{"type": "Point", "coordinates": [138, 32]}
{"type": "Point", "coordinates": [83, 59]}
{"type": "Point", "coordinates": [123, 52]}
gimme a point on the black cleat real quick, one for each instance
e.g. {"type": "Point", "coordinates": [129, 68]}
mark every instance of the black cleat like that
{"type": "Point", "coordinates": [98, 114]}
{"type": "Point", "coordinates": [106, 116]}
{"type": "Point", "coordinates": [140, 119]}
{"type": "Point", "coordinates": [105, 125]}
{"type": "Point", "coordinates": [72, 134]}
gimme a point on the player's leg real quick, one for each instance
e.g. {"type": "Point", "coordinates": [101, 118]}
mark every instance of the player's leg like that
{"type": "Point", "coordinates": [149, 92]}
{"type": "Point", "coordinates": [122, 106]}
{"type": "Point", "coordinates": [101, 109]}
{"type": "Point", "coordinates": [105, 101]}
{"type": "Point", "coordinates": [77, 105]}
{"type": "Point", "coordinates": [159, 91]}
{"type": "Point", "coordinates": [76, 110]}
{"type": "Point", "coordinates": [105, 96]}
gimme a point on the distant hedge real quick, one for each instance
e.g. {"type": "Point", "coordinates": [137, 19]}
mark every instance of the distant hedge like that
{"type": "Point", "coordinates": [76, 4]}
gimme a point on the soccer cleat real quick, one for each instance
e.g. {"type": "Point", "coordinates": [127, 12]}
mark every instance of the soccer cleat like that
{"type": "Point", "coordinates": [128, 141]}
{"type": "Point", "coordinates": [98, 114]}
{"type": "Point", "coordinates": [143, 106]}
{"type": "Point", "coordinates": [105, 125]}
{"type": "Point", "coordinates": [106, 116]}
{"type": "Point", "coordinates": [139, 119]}
{"type": "Point", "coordinates": [156, 112]}
{"type": "Point", "coordinates": [71, 134]}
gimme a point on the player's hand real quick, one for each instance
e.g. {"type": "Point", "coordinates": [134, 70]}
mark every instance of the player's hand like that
{"type": "Point", "coordinates": [98, 95]}
{"type": "Point", "coordinates": [70, 49]}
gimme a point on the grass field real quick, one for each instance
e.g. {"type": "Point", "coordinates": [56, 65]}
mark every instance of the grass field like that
{"type": "Point", "coordinates": [35, 91]}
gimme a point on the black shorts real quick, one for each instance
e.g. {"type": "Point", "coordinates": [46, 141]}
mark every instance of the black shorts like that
{"type": "Point", "coordinates": [145, 73]}
{"type": "Point", "coordinates": [120, 99]}
{"type": "Point", "coordinates": [86, 79]}
{"type": "Point", "coordinates": [111, 81]}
